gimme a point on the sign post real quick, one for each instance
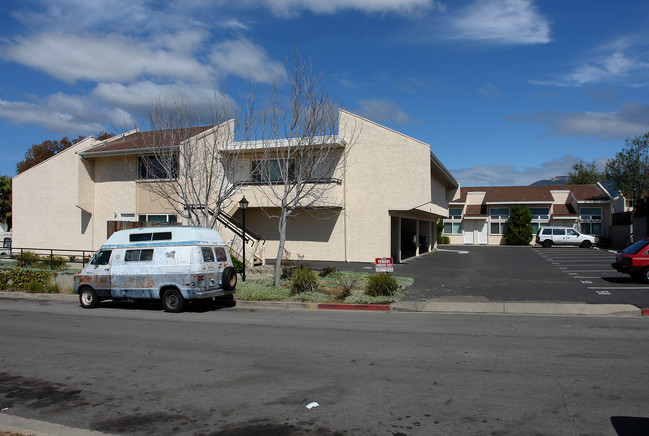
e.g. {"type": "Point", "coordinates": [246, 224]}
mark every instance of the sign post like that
{"type": "Point", "coordinates": [384, 264]}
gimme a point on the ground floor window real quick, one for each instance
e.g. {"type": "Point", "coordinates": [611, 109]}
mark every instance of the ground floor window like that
{"type": "Point", "coordinates": [453, 225]}
{"type": "Point", "coordinates": [538, 225]}
{"type": "Point", "coordinates": [157, 218]}
{"type": "Point", "coordinates": [591, 220]}
{"type": "Point", "coordinates": [498, 228]}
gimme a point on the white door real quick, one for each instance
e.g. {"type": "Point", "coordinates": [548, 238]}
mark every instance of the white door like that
{"type": "Point", "coordinates": [468, 228]}
{"type": "Point", "coordinates": [483, 238]}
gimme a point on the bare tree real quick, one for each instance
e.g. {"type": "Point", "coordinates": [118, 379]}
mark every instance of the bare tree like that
{"type": "Point", "coordinates": [300, 160]}
{"type": "Point", "coordinates": [186, 144]}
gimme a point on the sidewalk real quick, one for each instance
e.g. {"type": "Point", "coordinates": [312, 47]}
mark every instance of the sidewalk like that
{"type": "Point", "coordinates": [427, 306]}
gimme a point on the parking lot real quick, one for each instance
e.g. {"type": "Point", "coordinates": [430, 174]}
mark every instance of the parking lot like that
{"type": "Point", "coordinates": [505, 273]}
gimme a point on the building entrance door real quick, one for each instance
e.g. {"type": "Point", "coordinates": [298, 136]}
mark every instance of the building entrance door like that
{"type": "Point", "coordinates": [483, 237]}
{"type": "Point", "coordinates": [469, 227]}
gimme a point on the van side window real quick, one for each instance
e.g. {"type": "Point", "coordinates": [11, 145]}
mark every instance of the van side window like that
{"type": "Point", "coordinates": [571, 232]}
{"type": "Point", "coordinates": [162, 236]}
{"type": "Point", "coordinates": [558, 232]}
{"type": "Point", "coordinates": [101, 258]}
{"type": "Point", "coordinates": [547, 231]}
{"type": "Point", "coordinates": [221, 256]}
{"type": "Point", "coordinates": [208, 254]}
{"type": "Point", "coordinates": [138, 255]}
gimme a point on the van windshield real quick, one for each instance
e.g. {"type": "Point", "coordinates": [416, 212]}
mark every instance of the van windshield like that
{"type": "Point", "coordinates": [101, 257]}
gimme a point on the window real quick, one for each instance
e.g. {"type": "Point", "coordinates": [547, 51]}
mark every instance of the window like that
{"type": "Point", "coordinates": [540, 213]}
{"type": "Point", "coordinates": [157, 218]}
{"type": "Point", "coordinates": [101, 258]}
{"type": "Point", "coordinates": [272, 170]}
{"type": "Point", "coordinates": [558, 232]}
{"type": "Point", "coordinates": [208, 254]}
{"type": "Point", "coordinates": [572, 232]}
{"type": "Point", "coordinates": [453, 224]}
{"type": "Point", "coordinates": [157, 236]}
{"type": "Point", "coordinates": [537, 226]}
{"type": "Point", "coordinates": [499, 217]}
{"type": "Point", "coordinates": [138, 255]}
{"type": "Point", "coordinates": [127, 216]}
{"type": "Point", "coordinates": [591, 220]}
{"type": "Point", "coordinates": [150, 167]}
{"type": "Point", "coordinates": [221, 256]}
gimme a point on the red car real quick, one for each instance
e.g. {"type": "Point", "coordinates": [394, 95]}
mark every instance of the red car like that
{"type": "Point", "coordinates": [634, 260]}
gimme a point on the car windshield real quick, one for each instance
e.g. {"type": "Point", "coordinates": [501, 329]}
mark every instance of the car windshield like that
{"type": "Point", "coordinates": [636, 247]}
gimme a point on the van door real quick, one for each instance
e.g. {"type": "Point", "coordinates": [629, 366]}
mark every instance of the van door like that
{"type": "Point", "coordinates": [209, 268]}
{"type": "Point", "coordinates": [99, 269]}
{"type": "Point", "coordinates": [559, 236]}
{"type": "Point", "coordinates": [572, 237]}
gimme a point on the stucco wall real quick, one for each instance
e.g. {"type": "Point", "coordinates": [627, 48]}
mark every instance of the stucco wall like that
{"type": "Point", "coordinates": [45, 198]}
{"type": "Point", "coordinates": [385, 171]}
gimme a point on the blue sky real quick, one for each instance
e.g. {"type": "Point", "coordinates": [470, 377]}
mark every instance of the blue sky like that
{"type": "Point", "coordinates": [506, 92]}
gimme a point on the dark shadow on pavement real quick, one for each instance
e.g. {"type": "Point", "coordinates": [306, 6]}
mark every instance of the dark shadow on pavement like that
{"type": "Point", "coordinates": [630, 426]}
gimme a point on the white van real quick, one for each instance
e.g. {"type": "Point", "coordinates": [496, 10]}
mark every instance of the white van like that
{"type": "Point", "coordinates": [174, 264]}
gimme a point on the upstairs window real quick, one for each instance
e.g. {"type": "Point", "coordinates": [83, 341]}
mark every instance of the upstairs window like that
{"type": "Point", "coordinates": [273, 170]}
{"type": "Point", "coordinates": [453, 224]}
{"type": "Point", "coordinates": [151, 168]}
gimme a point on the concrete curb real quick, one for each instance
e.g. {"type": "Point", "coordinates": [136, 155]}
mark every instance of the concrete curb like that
{"type": "Point", "coordinates": [520, 308]}
{"type": "Point", "coordinates": [429, 306]}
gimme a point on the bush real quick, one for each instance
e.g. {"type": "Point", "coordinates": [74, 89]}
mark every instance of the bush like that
{"type": "Point", "coordinates": [360, 297]}
{"type": "Point", "coordinates": [382, 285]}
{"type": "Point", "coordinates": [237, 264]}
{"type": "Point", "coordinates": [29, 280]}
{"type": "Point", "coordinates": [304, 280]}
{"type": "Point", "coordinates": [326, 271]}
{"type": "Point", "coordinates": [27, 259]}
{"type": "Point", "coordinates": [444, 240]}
{"type": "Point", "coordinates": [346, 282]}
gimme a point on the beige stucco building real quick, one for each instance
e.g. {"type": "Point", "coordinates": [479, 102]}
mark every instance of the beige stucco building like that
{"type": "Point", "coordinates": [386, 192]}
{"type": "Point", "coordinates": [479, 215]}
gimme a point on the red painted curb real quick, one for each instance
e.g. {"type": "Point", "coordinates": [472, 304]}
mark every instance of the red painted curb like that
{"type": "Point", "coordinates": [645, 312]}
{"type": "Point", "coordinates": [370, 307]}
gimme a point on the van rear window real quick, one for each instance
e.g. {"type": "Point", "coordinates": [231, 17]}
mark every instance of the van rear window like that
{"type": "Point", "coordinates": [157, 236]}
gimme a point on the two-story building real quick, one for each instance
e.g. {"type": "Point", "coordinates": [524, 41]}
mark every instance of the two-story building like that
{"type": "Point", "coordinates": [385, 196]}
{"type": "Point", "coordinates": [480, 214]}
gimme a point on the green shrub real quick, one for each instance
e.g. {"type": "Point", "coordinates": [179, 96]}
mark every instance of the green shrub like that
{"type": "Point", "coordinates": [26, 279]}
{"type": "Point", "coordinates": [382, 285]}
{"type": "Point", "coordinates": [237, 264]}
{"type": "Point", "coordinates": [326, 271]}
{"type": "Point", "coordinates": [28, 259]}
{"type": "Point", "coordinates": [444, 240]}
{"type": "Point", "coordinates": [304, 279]}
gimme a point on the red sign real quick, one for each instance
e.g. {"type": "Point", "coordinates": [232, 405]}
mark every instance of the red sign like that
{"type": "Point", "coordinates": [384, 264]}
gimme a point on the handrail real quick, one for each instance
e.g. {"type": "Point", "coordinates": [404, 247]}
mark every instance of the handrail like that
{"type": "Point", "coordinates": [51, 252]}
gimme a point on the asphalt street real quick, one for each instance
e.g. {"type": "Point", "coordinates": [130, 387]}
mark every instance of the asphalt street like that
{"type": "Point", "coordinates": [136, 370]}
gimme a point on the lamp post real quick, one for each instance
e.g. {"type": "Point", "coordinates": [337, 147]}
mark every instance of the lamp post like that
{"type": "Point", "coordinates": [243, 205]}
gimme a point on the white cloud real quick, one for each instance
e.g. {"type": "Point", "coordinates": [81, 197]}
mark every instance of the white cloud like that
{"type": "Point", "coordinates": [629, 120]}
{"type": "Point", "coordinates": [293, 7]}
{"type": "Point", "coordinates": [243, 58]}
{"type": "Point", "coordinates": [500, 22]}
{"type": "Point", "coordinates": [50, 117]}
{"type": "Point", "coordinates": [382, 111]}
{"type": "Point", "coordinates": [511, 175]}
{"type": "Point", "coordinates": [623, 61]}
{"type": "Point", "coordinates": [101, 58]}
{"type": "Point", "coordinates": [489, 89]}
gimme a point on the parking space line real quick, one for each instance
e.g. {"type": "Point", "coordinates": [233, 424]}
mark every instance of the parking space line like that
{"type": "Point", "coordinates": [618, 287]}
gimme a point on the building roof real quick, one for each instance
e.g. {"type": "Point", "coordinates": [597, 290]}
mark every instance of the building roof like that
{"type": "Point", "coordinates": [536, 193]}
{"type": "Point", "coordinates": [566, 210]}
{"type": "Point", "coordinates": [137, 141]}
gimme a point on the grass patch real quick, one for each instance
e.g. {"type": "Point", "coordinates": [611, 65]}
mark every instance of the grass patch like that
{"type": "Point", "coordinates": [335, 287]}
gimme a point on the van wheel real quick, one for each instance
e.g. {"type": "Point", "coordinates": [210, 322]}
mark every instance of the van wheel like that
{"type": "Point", "coordinates": [547, 243]}
{"type": "Point", "coordinates": [173, 301]}
{"type": "Point", "coordinates": [586, 244]}
{"type": "Point", "coordinates": [229, 279]}
{"type": "Point", "coordinates": [88, 298]}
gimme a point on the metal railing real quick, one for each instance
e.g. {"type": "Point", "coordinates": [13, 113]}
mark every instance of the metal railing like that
{"type": "Point", "coordinates": [49, 256]}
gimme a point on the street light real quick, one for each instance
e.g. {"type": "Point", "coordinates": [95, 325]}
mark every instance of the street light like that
{"type": "Point", "coordinates": [243, 205]}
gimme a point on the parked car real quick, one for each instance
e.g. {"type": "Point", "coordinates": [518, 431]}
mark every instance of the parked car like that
{"type": "Point", "coordinates": [172, 264]}
{"type": "Point", "coordinates": [634, 260]}
{"type": "Point", "coordinates": [547, 236]}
